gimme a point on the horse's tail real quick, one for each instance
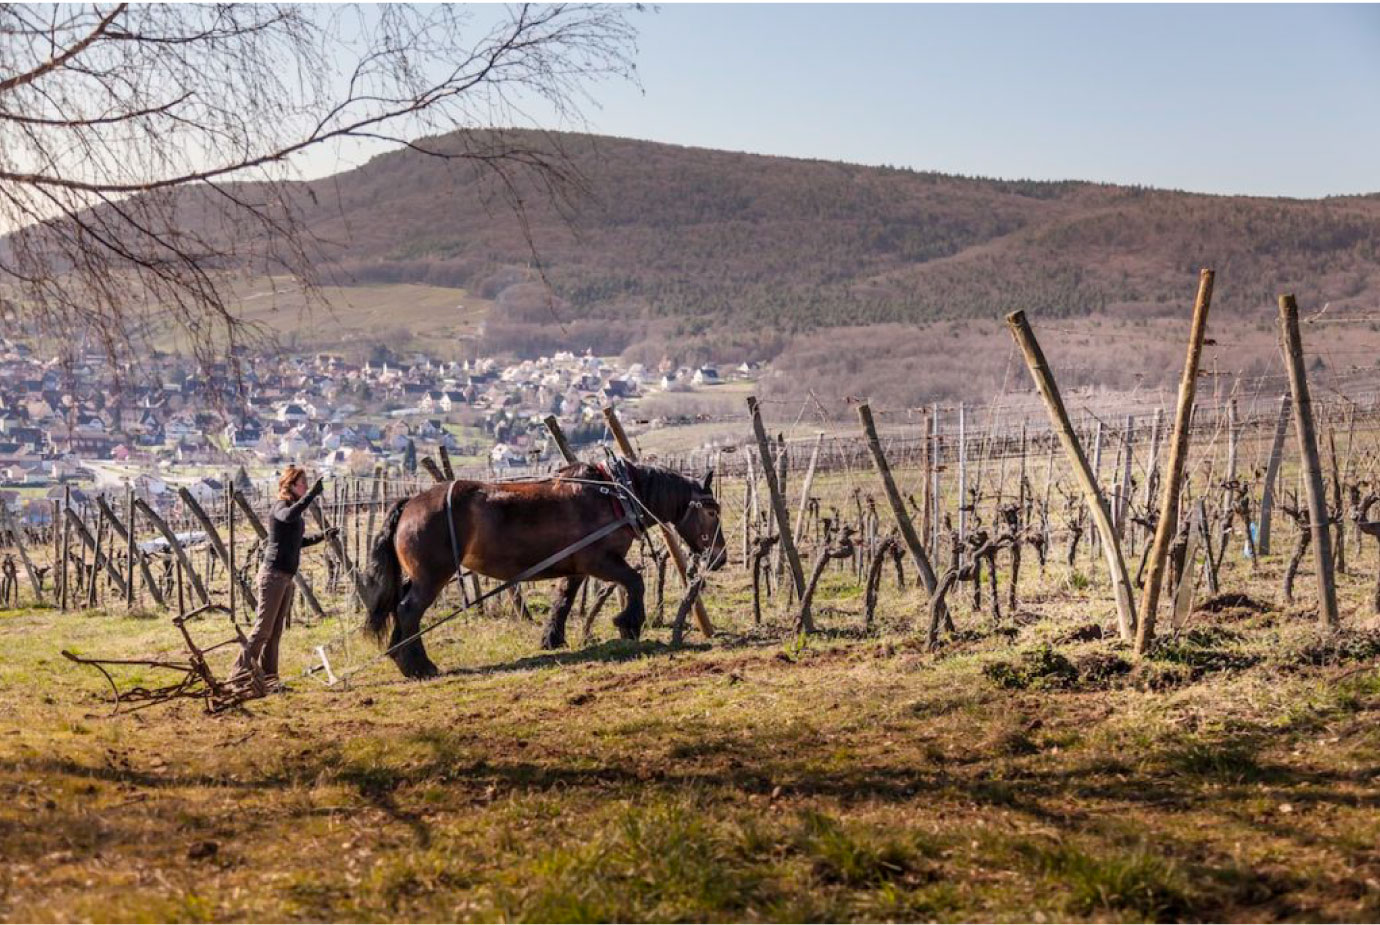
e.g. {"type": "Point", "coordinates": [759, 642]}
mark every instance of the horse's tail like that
{"type": "Point", "coordinates": [383, 575]}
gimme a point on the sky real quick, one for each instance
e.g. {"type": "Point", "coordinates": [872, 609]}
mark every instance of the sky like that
{"type": "Point", "coordinates": [1276, 100]}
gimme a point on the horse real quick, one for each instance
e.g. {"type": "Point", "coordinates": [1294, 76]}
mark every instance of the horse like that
{"type": "Point", "coordinates": [501, 529]}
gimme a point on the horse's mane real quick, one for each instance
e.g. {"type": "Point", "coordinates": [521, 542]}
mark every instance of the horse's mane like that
{"type": "Point", "coordinates": [667, 494]}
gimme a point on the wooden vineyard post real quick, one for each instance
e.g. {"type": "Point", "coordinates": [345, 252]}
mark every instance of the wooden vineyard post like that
{"type": "Point", "coordinates": [130, 550]}
{"type": "Point", "coordinates": [1095, 539]}
{"type": "Point", "coordinates": [28, 563]}
{"type": "Point", "coordinates": [1267, 493]}
{"type": "Point", "coordinates": [66, 540]}
{"type": "Point", "coordinates": [213, 537]}
{"type": "Point", "coordinates": [337, 544]}
{"type": "Point", "coordinates": [1168, 523]}
{"type": "Point", "coordinates": [254, 524]}
{"type": "Point", "coordinates": [374, 495]}
{"type": "Point", "coordinates": [230, 546]}
{"type": "Point", "coordinates": [128, 529]}
{"type": "Point", "coordinates": [1152, 465]}
{"type": "Point", "coordinates": [898, 507]}
{"type": "Point", "coordinates": [98, 558]}
{"type": "Point", "coordinates": [432, 469]}
{"type": "Point", "coordinates": [677, 555]}
{"type": "Point", "coordinates": [176, 548]}
{"type": "Point", "coordinates": [1123, 498]}
{"type": "Point", "coordinates": [778, 503]}
{"type": "Point", "coordinates": [445, 463]}
{"type": "Point", "coordinates": [806, 486]}
{"type": "Point", "coordinates": [1318, 520]}
{"type": "Point", "coordinates": [1063, 428]}
{"type": "Point", "coordinates": [553, 427]}
{"type": "Point", "coordinates": [962, 472]}
{"type": "Point", "coordinates": [936, 509]}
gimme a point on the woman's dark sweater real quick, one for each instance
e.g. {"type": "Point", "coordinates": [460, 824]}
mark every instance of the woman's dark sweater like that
{"type": "Point", "coordinates": [286, 533]}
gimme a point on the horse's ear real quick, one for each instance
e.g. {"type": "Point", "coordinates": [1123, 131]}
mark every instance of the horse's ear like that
{"type": "Point", "coordinates": [708, 482]}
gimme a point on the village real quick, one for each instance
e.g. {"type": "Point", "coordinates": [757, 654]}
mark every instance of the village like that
{"type": "Point", "coordinates": [75, 425]}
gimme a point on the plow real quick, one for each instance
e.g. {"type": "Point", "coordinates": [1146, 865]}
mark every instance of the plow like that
{"type": "Point", "coordinates": [191, 677]}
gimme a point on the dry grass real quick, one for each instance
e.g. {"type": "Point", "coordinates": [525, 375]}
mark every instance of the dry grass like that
{"type": "Point", "coordinates": [845, 776]}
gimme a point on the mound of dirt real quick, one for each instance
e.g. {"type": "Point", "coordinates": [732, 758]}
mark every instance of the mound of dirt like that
{"type": "Point", "coordinates": [1231, 602]}
{"type": "Point", "coordinates": [1088, 632]}
{"type": "Point", "coordinates": [1044, 668]}
{"type": "Point", "coordinates": [1332, 649]}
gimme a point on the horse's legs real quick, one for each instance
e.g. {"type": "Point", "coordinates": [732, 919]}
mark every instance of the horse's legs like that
{"type": "Point", "coordinates": [613, 568]}
{"type": "Point", "coordinates": [411, 658]}
{"type": "Point", "coordinates": [554, 638]}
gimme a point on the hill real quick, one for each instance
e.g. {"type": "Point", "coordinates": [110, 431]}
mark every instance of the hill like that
{"type": "Point", "coordinates": [694, 254]}
{"type": "Point", "coordinates": [853, 275]}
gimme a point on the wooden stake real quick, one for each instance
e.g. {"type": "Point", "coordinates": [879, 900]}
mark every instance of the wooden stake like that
{"type": "Point", "coordinates": [898, 507]}
{"type": "Point", "coordinates": [130, 549]}
{"type": "Point", "coordinates": [213, 538]}
{"type": "Point", "coordinates": [1267, 493]}
{"type": "Point", "coordinates": [805, 488]}
{"type": "Point", "coordinates": [1168, 523]}
{"type": "Point", "coordinates": [1063, 427]}
{"type": "Point", "coordinates": [672, 546]}
{"type": "Point", "coordinates": [778, 503]}
{"type": "Point", "coordinates": [553, 427]}
{"type": "Point", "coordinates": [1319, 522]}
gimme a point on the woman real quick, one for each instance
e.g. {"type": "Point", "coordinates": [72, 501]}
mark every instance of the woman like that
{"type": "Point", "coordinates": [282, 553]}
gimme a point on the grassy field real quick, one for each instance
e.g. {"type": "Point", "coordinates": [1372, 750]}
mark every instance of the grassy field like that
{"type": "Point", "coordinates": [1029, 771]}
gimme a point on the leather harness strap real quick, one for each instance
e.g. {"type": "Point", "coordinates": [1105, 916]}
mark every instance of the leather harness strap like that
{"type": "Point", "coordinates": [450, 522]}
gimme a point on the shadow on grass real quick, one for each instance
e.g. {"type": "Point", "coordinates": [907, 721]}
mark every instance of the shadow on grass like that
{"type": "Point", "coordinates": [610, 652]}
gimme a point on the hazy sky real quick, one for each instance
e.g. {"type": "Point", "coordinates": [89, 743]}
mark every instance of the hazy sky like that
{"type": "Point", "coordinates": [1259, 99]}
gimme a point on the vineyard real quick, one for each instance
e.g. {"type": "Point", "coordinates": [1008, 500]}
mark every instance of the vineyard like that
{"type": "Point", "coordinates": [1028, 659]}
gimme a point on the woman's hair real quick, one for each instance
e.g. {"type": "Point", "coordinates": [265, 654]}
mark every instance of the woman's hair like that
{"type": "Point", "coordinates": [290, 476]}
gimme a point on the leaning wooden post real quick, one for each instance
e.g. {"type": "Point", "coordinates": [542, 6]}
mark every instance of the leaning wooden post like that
{"type": "Point", "coordinates": [1063, 427]}
{"type": "Point", "coordinates": [677, 555]}
{"type": "Point", "coordinates": [898, 507]}
{"type": "Point", "coordinates": [432, 469]}
{"type": "Point", "coordinates": [29, 568]}
{"type": "Point", "coordinates": [778, 503]}
{"type": "Point", "coordinates": [213, 537]}
{"type": "Point", "coordinates": [342, 555]}
{"type": "Point", "coordinates": [128, 531]}
{"type": "Point", "coordinates": [445, 462]}
{"type": "Point", "coordinates": [1318, 519]}
{"type": "Point", "coordinates": [553, 427]}
{"type": "Point", "coordinates": [1168, 524]}
{"type": "Point", "coordinates": [99, 561]}
{"type": "Point", "coordinates": [1267, 493]}
{"type": "Point", "coordinates": [176, 548]}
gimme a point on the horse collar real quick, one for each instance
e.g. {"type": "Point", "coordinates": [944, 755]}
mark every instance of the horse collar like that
{"type": "Point", "coordinates": [625, 500]}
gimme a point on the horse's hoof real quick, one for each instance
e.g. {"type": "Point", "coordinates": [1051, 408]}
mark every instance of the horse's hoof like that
{"type": "Point", "coordinates": [423, 672]}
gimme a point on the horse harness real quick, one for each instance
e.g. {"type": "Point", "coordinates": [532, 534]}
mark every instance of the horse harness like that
{"type": "Point", "coordinates": [628, 510]}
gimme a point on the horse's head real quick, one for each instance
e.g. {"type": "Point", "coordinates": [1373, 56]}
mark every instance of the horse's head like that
{"type": "Point", "coordinates": [700, 525]}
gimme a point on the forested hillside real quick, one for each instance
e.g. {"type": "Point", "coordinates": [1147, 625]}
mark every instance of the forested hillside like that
{"type": "Point", "coordinates": [833, 269]}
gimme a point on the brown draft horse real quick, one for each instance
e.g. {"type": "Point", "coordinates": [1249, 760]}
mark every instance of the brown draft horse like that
{"type": "Point", "coordinates": [504, 528]}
